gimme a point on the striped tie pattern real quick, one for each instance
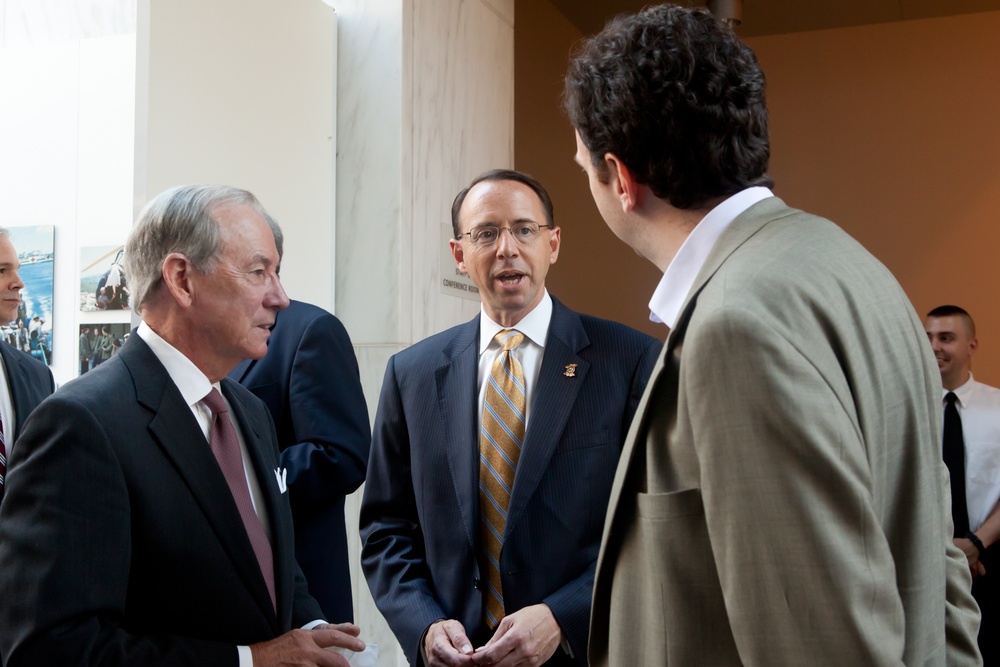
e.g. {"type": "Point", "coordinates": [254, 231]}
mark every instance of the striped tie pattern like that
{"type": "Point", "coordinates": [499, 449]}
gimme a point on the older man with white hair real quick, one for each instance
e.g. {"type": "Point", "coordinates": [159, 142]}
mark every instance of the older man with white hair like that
{"type": "Point", "coordinates": [146, 519]}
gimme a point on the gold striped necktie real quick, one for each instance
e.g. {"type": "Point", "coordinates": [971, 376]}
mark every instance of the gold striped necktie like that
{"type": "Point", "coordinates": [500, 443]}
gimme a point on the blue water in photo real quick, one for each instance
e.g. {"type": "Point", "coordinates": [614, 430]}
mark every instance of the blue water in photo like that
{"type": "Point", "coordinates": [36, 299]}
{"type": "Point", "coordinates": [37, 292]}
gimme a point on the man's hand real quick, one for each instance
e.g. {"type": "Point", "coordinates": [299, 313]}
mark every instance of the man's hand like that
{"type": "Point", "coordinates": [306, 648]}
{"type": "Point", "coordinates": [527, 637]}
{"type": "Point", "coordinates": [972, 553]}
{"type": "Point", "coordinates": [445, 644]}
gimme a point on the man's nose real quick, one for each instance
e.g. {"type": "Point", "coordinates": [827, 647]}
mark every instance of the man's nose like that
{"type": "Point", "coordinates": [276, 297]}
{"type": "Point", "coordinates": [506, 245]}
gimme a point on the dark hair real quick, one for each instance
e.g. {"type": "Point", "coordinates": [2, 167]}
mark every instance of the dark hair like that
{"type": "Point", "coordinates": [951, 311]}
{"type": "Point", "coordinates": [678, 98]}
{"type": "Point", "coordinates": [502, 175]}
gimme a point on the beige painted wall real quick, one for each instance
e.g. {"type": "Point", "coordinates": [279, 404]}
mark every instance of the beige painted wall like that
{"type": "Point", "coordinates": [889, 130]}
{"type": "Point", "coordinates": [596, 273]}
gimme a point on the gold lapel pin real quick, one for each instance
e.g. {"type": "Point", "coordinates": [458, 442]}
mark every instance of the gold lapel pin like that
{"type": "Point", "coordinates": [570, 371]}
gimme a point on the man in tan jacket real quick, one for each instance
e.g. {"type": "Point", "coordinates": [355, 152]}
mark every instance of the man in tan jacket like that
{"type": "Point", "coordinates": [780, 499]}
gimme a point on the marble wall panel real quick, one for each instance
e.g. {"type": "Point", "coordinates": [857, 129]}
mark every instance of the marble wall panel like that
{"type": "Point", "coordinates": [425, 102]}
{"type": "Point", "coordinates": [370, 133]}
{"type": "Point", "coordinates": [463, 118]}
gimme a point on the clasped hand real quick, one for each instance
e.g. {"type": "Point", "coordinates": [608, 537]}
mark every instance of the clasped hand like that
{"type": "Point", "coordinates": [529, 636]}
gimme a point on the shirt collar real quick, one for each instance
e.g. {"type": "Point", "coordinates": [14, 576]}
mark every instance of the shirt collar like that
{"type": "Point", "coordinates": [534, 325]}
{"type": "Point", "coordinates": [192, 383]}
{"type": "Point", "coordinates": [962, 391]}
{"type": "Point", "coordinates": [665, 304]}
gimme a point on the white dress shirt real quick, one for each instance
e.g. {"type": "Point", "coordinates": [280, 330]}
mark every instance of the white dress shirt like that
{"type": "Point", "coordinates": [6, 407]}
{"type": "Point", "coordinates": [535, 327]}
{"type": "Point", "coordinates": [979, 407]}
{"type": "Point", "coordinates": [677, 280]}
{"type": "Point", "coordinates": [194, 386]}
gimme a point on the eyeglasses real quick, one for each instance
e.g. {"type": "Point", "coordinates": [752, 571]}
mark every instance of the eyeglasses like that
{"type": "Point", "coordinates": [524, 232]}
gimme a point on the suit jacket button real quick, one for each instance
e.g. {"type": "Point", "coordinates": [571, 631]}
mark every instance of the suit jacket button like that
{"type": "Point", "coordinates": [477, 584]}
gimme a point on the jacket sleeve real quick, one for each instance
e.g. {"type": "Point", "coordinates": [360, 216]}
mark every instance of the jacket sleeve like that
{"type": "Point", "coordinates": [65, 554]}
{"type": "Point", "coordinates": [571, 603]}
{"type": "Point", "coordinates": [329, 416]}
{"type": "Point", "coordinates": [392, 555]}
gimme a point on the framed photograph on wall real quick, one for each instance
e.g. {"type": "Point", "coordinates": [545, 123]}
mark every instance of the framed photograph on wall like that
{"type": "Point", "coordinates": [32, 330]}
{"type": "Point", "coordinates": [102, 279]}
{"type": "Point", "coordinates": [99, 341]}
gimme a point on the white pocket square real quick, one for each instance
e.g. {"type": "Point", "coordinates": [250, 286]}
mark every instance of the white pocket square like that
{"type": "Point", "coordinates": [281, 474]}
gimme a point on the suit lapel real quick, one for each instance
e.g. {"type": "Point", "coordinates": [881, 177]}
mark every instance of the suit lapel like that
{"type": "Point", "coordinates": [13, 361]}
{"type": "Point", "coordinates": [257, 436]}
{"type": "Point", "coordinates": [176, 432]}
{"type": "Point", "coordinates": [457, 421]}
{"type": "Point", "coordinates": [552, 402]}
{"type": "Point", "coordinates": [742, 228]}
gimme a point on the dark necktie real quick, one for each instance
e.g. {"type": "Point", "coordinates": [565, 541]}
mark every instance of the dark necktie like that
{"type": "Point", "coordinates": [226, 447]}
{"type": "Point", "coordinates": [953, 448]}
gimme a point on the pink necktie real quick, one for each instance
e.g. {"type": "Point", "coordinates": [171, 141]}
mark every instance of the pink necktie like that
{"type": "Point", "coordinates": [226, 447]}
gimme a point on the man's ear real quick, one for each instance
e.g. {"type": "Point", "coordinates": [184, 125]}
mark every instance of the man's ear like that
{"type": "Point", "coordinates": [177, 277]}
{"type": "Point", "coordinates": [458, 252]}
{"type": "Point", "coordinates": [622, 180]}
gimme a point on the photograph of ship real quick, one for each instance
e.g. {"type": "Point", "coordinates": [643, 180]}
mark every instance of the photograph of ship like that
{"type": "Point", "coordinates": [32, 330]}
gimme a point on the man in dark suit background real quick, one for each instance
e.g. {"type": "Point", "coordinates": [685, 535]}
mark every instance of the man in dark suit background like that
{"type": "Point", "coordinates": [146, 521]}
{"type": "Point", "coordinates": [454, 555]}
{"type": "Point", "coordinates": [310, 383]}
{"type": "Point", "coordinates": [29, 381]}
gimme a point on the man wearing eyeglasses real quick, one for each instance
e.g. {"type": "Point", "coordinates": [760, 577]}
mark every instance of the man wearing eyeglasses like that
{"type": "Point", "coordinates": [494, 449]}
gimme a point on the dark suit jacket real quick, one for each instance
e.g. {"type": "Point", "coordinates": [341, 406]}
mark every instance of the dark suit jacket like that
{"type": "Point", "coordinates": [420, 514]}
{"type": "Point", "coordinates": [30, 383]}
{"type": "Point", "coordinates": [310, 383]}
{"type": "Point", "coordinates": [120, 543]}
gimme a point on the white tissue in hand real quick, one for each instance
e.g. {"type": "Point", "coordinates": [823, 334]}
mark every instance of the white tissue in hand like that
{"type": "Point", "coordinates": [366, 658]}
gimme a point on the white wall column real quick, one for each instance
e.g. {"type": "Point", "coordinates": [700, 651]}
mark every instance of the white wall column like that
{"type": "Point", "coordinates": [241, 92]}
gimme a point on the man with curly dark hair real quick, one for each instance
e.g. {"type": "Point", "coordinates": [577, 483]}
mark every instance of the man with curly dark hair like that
{"type": "Point", "coordinates": [780, 499]}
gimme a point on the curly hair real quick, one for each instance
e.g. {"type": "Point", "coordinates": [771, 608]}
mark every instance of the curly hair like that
{"type": "Point", "coordinates": [676, 96]}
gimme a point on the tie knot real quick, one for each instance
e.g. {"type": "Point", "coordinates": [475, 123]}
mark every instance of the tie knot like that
{"type": "Point", "coordinates": [215, 402]}
{"type": "Point", "coordinates": [509, 339]}
{"type": "Point", "coordinates": [950, 398]}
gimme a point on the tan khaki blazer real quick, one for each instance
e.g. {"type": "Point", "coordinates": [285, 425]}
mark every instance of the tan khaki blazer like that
{"type": "Point", "coordinates": [781, 498]}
